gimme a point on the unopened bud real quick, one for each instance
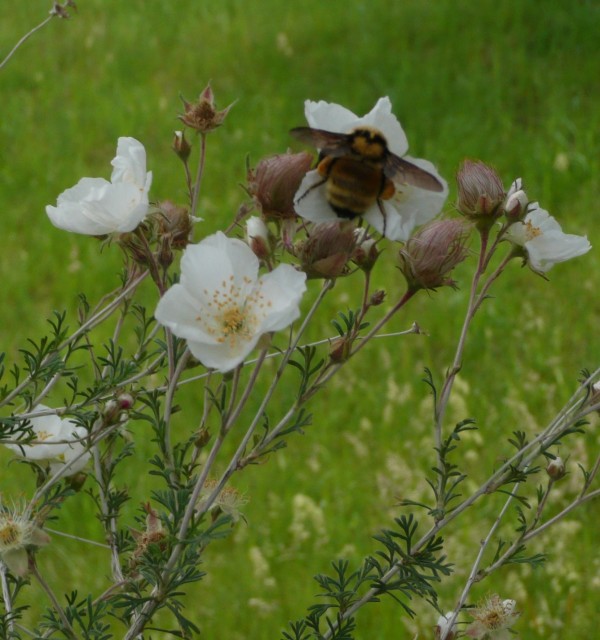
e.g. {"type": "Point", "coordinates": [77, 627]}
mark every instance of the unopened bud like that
{"type": "Point", "coordinates": [181, 146]}
{"type": "Point", "coordinates": [174, 224]}
{"type": "Point", "coordinates": [202, 115]}
{"type": "Point", "coordinates": [515, 205]}
{"type": "Point", "coordinates": [443, 629]}
{"type": "Point", "coordinates": [556, 468]}
{"type": "Point", "coordinates": [480, 193]}
{"type": "Point", "coordinates": [377, 298]}
{"type": "Point", "coordinates": [433, 252]}
{"type": "Point", "coordinates": [365, 252]}
{"type": "Point", "coordinates": [275, 181]}
{"type": "Point", "coordinates": [339, 350]}
{"type": "Point", "coordinates": [257, 237]}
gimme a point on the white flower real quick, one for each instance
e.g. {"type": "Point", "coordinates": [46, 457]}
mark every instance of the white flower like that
{"type": "Point", "coordinates": [409, 207]}
{"type": "Point", "coordinates": [17, 534]}
{"type": "Point", "coordinates": [60, 442]}
{"type": "Point", "coordinates": [443, 628]}
{"type": "Point", "coordinates": [493, 619]}
{"type": "Point", "coordinates": [544, 241]}
{"type": "Point", "coordinates": [221, 306]}
{"type": "Point", "coordinates": [97, 207]}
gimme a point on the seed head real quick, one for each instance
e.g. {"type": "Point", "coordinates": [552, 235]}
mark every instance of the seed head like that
{"type": "Point", "coordinates": [431, 254]}
{"type": "Point", "coordinates": [202, 115]}
{"type": "Point", "coordinates": [480, 193]}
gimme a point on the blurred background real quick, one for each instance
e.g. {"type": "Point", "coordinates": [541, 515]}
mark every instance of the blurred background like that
{"type": "Point", "coordinates": [512, 83]}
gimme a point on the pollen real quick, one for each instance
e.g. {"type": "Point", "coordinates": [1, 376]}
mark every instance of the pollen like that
{"type": "Point", "coordinates": [531, 232]}
{"type": "Point", "coordinates": [9, 535]}
{"type": "Point", "coordinates": [234, 311]}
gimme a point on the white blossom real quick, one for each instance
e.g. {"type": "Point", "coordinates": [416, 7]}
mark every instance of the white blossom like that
{"type": "Point", "coordinates": [95, 206]}
{"type": "Point", "coordinates": [543, 240]}
{"type": "Point", "coordinates": [409, 207]}
{"type": "Point", "coordinates": [221, 305]}
{"type": "Point", "coordinates": [17, 534]}
{"type": "Point", "coordinates": [59, 442]}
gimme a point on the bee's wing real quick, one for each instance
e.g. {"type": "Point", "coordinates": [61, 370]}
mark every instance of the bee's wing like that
{"type": "Point", "coordinates": [400, 170]}
{"type": "Point", "coordinates": [327, 142]}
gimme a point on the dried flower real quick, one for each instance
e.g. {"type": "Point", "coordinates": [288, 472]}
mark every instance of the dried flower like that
{"type": "Point", "coordinates": [328, 249]}
{"type": "Point", "coordinates": [480, 193]}
{"type": "Point", "coordinates": [275, 181]}
{"type": "Point", "coordinates": [433, 252]}
{"type": "Point", "coordinates": [228, 501]}
{"type": "Point", "coordinates": [202, 115]}
{"type": "Point", "coordinates": [18, 534]}
{"type": "Point", "coordinates": [493, 619]}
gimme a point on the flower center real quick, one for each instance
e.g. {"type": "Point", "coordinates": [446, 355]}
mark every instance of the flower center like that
{"type": "Point", "coordinates": [531, 232]}
{"type": "Point", "coordinates": [9, 535]}
{"type": "Point", "coordinates": [232, 313]}
{"type": "Point", "coordinates": [43, 435]}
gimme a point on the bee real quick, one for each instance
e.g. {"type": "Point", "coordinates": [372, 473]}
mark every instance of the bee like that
{"type": "Point", "coordinates": [359, 170]}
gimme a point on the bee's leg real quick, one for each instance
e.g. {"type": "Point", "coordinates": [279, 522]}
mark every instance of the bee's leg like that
{"type": "Point", "coordinates": [387, 191]}
{"type": "Point", "coordinates": [314, 186]}
{"type": "Point", "coordinates": [380, 205]}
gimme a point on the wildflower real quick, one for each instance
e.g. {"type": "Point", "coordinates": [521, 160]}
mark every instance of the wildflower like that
{"type": "Point", "coordinates": [493, 619]}
{"type": "Point", "coordinates": [274, 182]}
{"type": "Point", "coordinates": [443, 628]}
{"type": "Point", "coordinates": [18, 534]}
{"type": "Point", "coordinates": [202, 115]}
{"type": "Point", "coordinates": [541, 241]}
{"type": "Point", "coordinates": [222, 307]}
{"type": "Point", "coordinates": [96, 207]}
{"type": "Point", "coordinates": [431, 254]}
{"type": "Point", "coordinates": [229, 501]}
{"type": "Point", "coordinates": [326, 252]}
{"type": "Point", "coordinates": [409, 207]}
{"type": "Point", "coordinates": [58, 442]}
{"type": "Point", "coordinates": [480, 193]}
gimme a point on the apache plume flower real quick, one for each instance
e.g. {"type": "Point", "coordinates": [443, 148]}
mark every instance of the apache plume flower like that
{"type": "Point", "coordinates": [480, 192]}
{"type": "Point", "coordinates": [202, 115]}
{"type": "Point", "coordinates": [57, 441]}
{"type": "Point", "coordinates": [257, 237]}
{"type": "Point", "coordinates": [221, 305]}
{"type": "Point", "coordinates": [409, 207]}
{"type": "Point", "coordinates": [431, 254]}
{"type": "Point", "coordinates": [493, 619]}
{"type": "Point", "coordinates": [96, 207]}
{"type": "Point", "coordinates": [18, 534]}
{"type": "Point", "coordinates": [541, 241]}
{"type": "Point", "coordinates": [515, 206]}
{"type": "Point", "coordinates": [275, 181]}
{"type": "Point", "coordinates": [556, 468]}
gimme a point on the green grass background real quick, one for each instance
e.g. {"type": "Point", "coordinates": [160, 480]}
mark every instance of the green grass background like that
{"type": "Point", "coordinates": [514, 83]}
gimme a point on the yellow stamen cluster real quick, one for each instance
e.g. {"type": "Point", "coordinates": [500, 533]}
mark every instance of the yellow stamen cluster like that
{"type": "Point", "coordinates": [233, 316]}
{"type": "Point", "coordinates": [531, 232]}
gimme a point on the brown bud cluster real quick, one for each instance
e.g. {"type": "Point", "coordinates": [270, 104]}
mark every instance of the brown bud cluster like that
{"type": "Point", "coordinates": [203, 115]}
{"type": "Point", "coordinates": [433, 252]}
{"type": "Point", "coordinates": [275, 181]}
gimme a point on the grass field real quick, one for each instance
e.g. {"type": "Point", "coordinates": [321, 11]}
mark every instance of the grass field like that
{"type": "Point", "coordinates": [512, 83]}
